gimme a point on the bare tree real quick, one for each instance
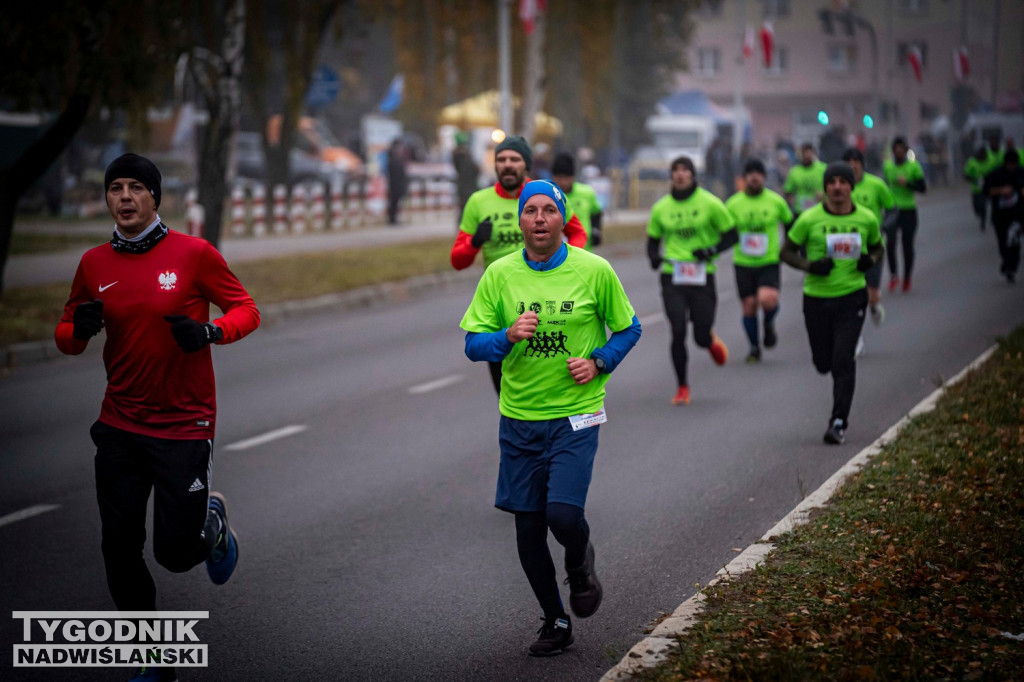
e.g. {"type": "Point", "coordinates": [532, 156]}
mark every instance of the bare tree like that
{"type": "Point", "coordinates": [535, 78]}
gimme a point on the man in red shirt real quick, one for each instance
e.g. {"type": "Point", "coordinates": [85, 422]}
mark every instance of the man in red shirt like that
{"type": "Point", "coordinates": [151, 290]}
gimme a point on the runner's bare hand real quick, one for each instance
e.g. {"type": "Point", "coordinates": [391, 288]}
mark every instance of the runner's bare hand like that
{"type": "Point", "coordinates": [583, 370]}
{"type": "Point", "coordinates": [523, 328]}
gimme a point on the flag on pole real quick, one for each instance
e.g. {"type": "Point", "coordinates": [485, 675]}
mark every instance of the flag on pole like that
{"type": "Point", "coordinates": [748, 43]}
{"type": "Point", "coordinates": [916, 63]}
{"type": "Point", "coordinates": [961, 65]}
{"type": "Point", "coordinates": [767, 42]}
{"type": "Point", "coordinates": [528, 11]}
{"type": "Point", "coordinates": [393, 97]}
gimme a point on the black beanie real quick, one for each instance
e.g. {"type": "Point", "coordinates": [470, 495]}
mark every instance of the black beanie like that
{"type": "Point", "coordinates": [137, 168]}
{"type": "Point", "coordinates": [516, 144]}
{"type": "Point", "coordinates": [841, 170]}
{"type": "Point", "coordinates": [563, 164]}
{"type": "Point", "coordinates": [684, 161]}
{"type": "Point", "coordinates": [852, 154]}
{"type": "Point", "coordinates": [754, 166]}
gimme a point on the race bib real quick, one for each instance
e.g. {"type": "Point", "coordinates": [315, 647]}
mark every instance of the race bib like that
{"type": "Point", "coordinates": [843, 246]}
{"type": "Point", "coordinates": [1010, 201]}
{"type": "Point", "coordinates": [753, 243]}
{"type": "Point", "coordinates": [807, 202]}
{"type": "Point", "coordinates": [585, 421]}
{"type": "Point", "coordinates": [692, 274]}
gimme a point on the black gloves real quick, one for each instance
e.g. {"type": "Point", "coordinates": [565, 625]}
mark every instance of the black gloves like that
{"type": "Point", "coordinates": [656, 262]}
{"type": "Point", "coordinates": [820, 267]}
{"type": "Point", "coordinates": [595, 229]}
{"type": "Point", "coordinates": [865, 262]}
{"type": "Point", "coordinates": [193, 335]}
{"type": "Point", "coordinates": [88, 320]}
{"type": "Point", "coordinates": [482, 234]}
{"type": "Point", "coordinates": [703, 255]}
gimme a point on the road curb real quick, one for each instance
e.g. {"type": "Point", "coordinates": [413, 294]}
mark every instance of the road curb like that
{"type": "Point", "coordinates": [36, 352]}
{"type": "Point", "coordinates": [657, 646]}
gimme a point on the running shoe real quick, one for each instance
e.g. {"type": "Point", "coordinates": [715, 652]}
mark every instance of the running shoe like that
{"type": "Point", "coordinates": [718, 350]}
{"type": "Point", "coordinates": [585, 591]}
{"type": "Point", "coordinates": [859, 350]}
{"type": "Point", "coordinates": [770, 339]}
{"type": "Point", "coordinates": [555, 637]}
{"type": "Point", "coordinates": [836, 433]}
{"type": "Point", "coordinates": [754, 356]}
{"type": "Point", "coordinates": [224, 555]}
{"type": "Point", "coordinates": [878, 315]}
{"type": "Point", "coordinates": [1011, 276]}
{"type": "Point", "coordinates": [906, 285]}
{"type": "Point", "coordinates": [682, 396]}
{"type": "Point", "coordinates": [894, 283]}
{"type": "Point", "coordinates": [151, 674]}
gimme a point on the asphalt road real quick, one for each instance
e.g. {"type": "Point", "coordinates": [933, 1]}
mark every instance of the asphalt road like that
{"type": "Point", "coordinates": [370, 549]}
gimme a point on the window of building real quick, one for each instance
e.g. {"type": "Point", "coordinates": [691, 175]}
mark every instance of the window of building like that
{"type": "Point", "coordinates": [842, 57]}
{"type": "Point", "coordinates": [709, 61]}
{"type": "Point", "coordinates": [780, 62]}
{"type": "Point", "coordinates": [709, 8]}
{"type": "Point", "coordinates": [774, 9]}
{"type": "Point", "coordinates": [903, 48]}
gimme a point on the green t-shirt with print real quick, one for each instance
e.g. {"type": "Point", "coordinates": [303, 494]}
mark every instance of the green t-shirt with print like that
{"type": "Point", "coordinates": [872, 193]}
{"type": "Point", "coordinates": [909, 171]}
{"type": "Point", "coordinates": [696, 222]}
{"type": "Point", "coordinates": [975, 170]}
{"type": "Point", "coordinates": [583, 200]}
{"type": "Point", "coordinates": [757, 221]}
{"type": "Point", "coordinates": [575, 302]}
{"type": "Point", "coordinates": [806, 184]}
{"type": "Point", "coordinates": [840, 237]}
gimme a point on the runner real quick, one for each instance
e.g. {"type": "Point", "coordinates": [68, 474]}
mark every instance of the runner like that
{"type": "Point", "coordinates": [1004, 186]}
{"type": "Point", "coordinates": [803, 184]}
{"type": "Point", "coordinates": [758, 212]}
{"type": "Point", "coordinates": [975, 170]}
{"type": "Point", "coordinates": [695, 226]}
{"type": "Point", "coordinates": [151, 289]}
{"type": "Point", "coordinates": [543, 312]}
{"type": "Point", "coordinates": [842, 242]}
{"type": "Point", "coordinates": [581, 197]}
{"type": "Point", "coordinates": [904, 177]}
{"type": "Point", "coordinates": [871, 192]}
{"type": "Point", "coordinates": [489, 217]}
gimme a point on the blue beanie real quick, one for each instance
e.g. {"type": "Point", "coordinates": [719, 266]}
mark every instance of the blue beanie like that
{"type": "Point", "coordinates": [548, 189]}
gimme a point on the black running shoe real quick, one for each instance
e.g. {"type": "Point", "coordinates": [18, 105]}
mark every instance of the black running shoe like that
{"type": "Point", "coordinates": [836, 433]}
{"type": "Point", "coordinates": [555, 637]}
{"type": "Point", "coordinates": [754, 356]}
{"type": "Point", "coordinates": [770, 339]}
{"type": "Point", "coordinates": [584, 588]}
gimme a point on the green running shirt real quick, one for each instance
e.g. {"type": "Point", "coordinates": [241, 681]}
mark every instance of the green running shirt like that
{"type": "Point", "coordinates": [806, 183]}
{"type": "Point", "coordinates": [873, 194]}
{"type": "Point", "coordinates": [757, 221]}
{"type": "Point", "coordinates": [694, 223]}
{"type": "Point", "coordinates": [908, 170]}
{"type": "Point", "coordinates": [583, 200]}
{"type": "Point", "coordinates": [575, 302]}
{"type": "Point", "coordinates": [841, 237]}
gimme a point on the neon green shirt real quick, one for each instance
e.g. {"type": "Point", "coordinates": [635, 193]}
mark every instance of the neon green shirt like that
{"type": "Point", "coordinates": [575, 302]}
{"type": "Point", "coordinates": [975, 170]}
{"type": "Point", "coordinates": [583, 200]}
{"type": "Point", "coordinates": [757, 221]}
{"type": "Point", "coordinates": [840, 237]}
{"type": "Point", "coordinates": [908, 170]}
{"type": "Point", "coordinates": [806, 183]}
{"type": "Point", "coordinates": [873, 194]}
{"type": "Point", "coordinates": [694, 223]}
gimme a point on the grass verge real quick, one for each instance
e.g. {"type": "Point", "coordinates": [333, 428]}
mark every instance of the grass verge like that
{"type": "Point", "coordinates": [30, 313]}
{"type": "Point", "coordinates": [914, 572]}
{"type": "Point", "coordinates": [22, 244]}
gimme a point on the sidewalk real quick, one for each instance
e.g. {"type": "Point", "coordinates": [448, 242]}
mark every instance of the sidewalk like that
{"type": "Point", "coordinates": [47, 268]}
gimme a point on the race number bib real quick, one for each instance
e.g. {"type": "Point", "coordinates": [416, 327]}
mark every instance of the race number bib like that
{"type": "Point", "coordinates": [585, 421]}
{"type": "Point", "coordinates": [692, 274]}
{"type": "Point", "coordinates": [807, 202]}
{"type": "Point", "coordinates": [753, 243]}
{"type": "Point", "coordinates": [843, 246]}
{"type": "Point", "coordinates": [1010, 201]}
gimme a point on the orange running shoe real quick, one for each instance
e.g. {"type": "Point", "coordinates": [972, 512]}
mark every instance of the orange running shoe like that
{"type": "Point", "coordinates": [719, 353]}
{"type": "Point", "coordinates": [682, 396]}
{"type": "Point", "coordinates": [894, 283]}
{"type": "Point", "coordinates": [906, 284]}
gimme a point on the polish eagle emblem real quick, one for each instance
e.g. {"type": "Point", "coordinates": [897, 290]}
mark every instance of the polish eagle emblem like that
{"type": "Point", "coordinates": [168, 280]}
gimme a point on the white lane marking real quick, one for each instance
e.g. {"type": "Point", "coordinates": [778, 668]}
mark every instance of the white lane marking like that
{"type": "Point", "coordinates": [653, 318]}
{"type": "Point", "coordinates": [27, 513]}
{"type": "Point", "coordinates": [435, 384]}
{"type": "Point", "coordinates": [283, 432]}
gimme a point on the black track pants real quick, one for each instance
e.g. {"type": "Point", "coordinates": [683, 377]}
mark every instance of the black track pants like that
{"type": "Point", "coordinates": [833, 327]}
{"type": "Point", "coordinates": [1008, 236]}
{"type": "Point", "coordinates": [906, 227]}
{"type": "Point", "coordinates": [685, 303]}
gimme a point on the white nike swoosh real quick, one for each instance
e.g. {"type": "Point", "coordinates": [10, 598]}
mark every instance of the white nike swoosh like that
{"type": "Point", "coordinates": [104, 288]}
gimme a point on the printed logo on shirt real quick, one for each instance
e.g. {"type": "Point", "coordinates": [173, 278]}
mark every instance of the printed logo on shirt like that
{"type": "Point", "coordinates": [104, 287]}
{"type": "Point", "coordinates": [196, 486]}
{"type": "Point", "coordinates": [546, 344]}
{"type": "Point", "coordinates": [535, 307]}
{"type": "Point", "coordinates": [203, 422]}
{"type": "Point", "coordinates": [168, 280]}
{"type": "Point", "coordinates": [550, 307]}
{"type": "Point", "coordinates": [508, 216]}
{"type": "Point", "coordinates": [520, 308]}
{"type": "Point", "coordinates": [567, 307]}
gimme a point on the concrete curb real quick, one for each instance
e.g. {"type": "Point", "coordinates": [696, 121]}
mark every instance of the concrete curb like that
{"type": "Point", "coordinates": [35, 352]}
{"type": "Point", "coordinates": [658, 646]}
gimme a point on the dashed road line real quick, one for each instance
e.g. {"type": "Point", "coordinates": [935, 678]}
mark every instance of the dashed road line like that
{"type": "Point", "coordinates": [27, 513]}
{"type": "Point", "coordinates": [267, 437]}
{"type": "Point", "coordinates": [436, 384]}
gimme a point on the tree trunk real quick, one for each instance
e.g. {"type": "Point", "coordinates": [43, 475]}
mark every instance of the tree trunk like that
{"type": "Point", "coordinates": [533, 92]}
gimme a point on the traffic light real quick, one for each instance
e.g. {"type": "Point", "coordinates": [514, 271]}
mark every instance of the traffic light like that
{"type": "Point", "coordinates": [869, 122]}
{"type": "Point", "coordinates": [823, 117]}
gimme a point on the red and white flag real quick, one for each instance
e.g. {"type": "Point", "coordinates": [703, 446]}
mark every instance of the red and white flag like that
{"type": "Point", "coordinates": [961, 65]}
{"type": "Point", "coordinates": [748, 43]}
{"type": "Point", "coordinates": [767, 42]}
{"type": "Point", "coordinates": [528, 10]}
{"type": "Point", "coordinates": [914, 57]}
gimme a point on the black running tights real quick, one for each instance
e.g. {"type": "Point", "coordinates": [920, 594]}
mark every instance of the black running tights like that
{"type": "Point", "coordinates": [685, 303]}
{"type": "Point", "coordinates": [570, 529]}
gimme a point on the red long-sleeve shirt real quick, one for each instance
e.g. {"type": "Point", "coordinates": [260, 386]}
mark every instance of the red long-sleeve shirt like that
{"type": "Point", "coordinates": [153, 387]}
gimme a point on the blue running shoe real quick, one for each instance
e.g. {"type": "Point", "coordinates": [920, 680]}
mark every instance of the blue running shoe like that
{"type": "Point", "coordinates": [224, 555]}
{"type": "Point", "coordinates": [151, 674]}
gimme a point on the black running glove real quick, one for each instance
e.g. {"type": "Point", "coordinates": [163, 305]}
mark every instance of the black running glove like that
{"type": "Point", "coordinates": [88, 320]}
{"type": "Point", "coordinates": [482, 234]}
{"type": "Point", "coordinates": [703, 255]}
{"type": "Point", "coordinates": [820, 267]}
{"type": "Point", "coordinates": [595, 229]}
{"type": "Point", "coordinates": [193, 335]}
{"type": "Point", "coordinates": [865, 262]}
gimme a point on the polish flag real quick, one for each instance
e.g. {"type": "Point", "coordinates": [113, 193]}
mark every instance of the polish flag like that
{"type": "Point", "coordinates": [961, 65]}
{"type": "Point", "coordinates": [528, 10]}
{"type": "Point", "coordinates": [767, 42]}
{"type": "Point", "coordinates": [914, 57]}
{"type": "Point", "coordinates": [748, 43]}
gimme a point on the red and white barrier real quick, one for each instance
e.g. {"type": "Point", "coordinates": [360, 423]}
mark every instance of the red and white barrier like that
{"type": "Point", "coordinates": [280, 209]}
{"type": "Point", "coordinates": [337, 207]}
{"type": "Point", "coordinates": [195, 215]}
{"type": "Point", "coordinates": [298, 209]}
{"type": "Point", "coordinates": [259, 211]}
{"type": "Point", "coordinates": [237, 210]}
{"type": "Point", "coordinates": [317, 209]}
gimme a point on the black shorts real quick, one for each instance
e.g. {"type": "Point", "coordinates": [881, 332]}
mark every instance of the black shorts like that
{"type": "Point", "coordinates": [750, 279]}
